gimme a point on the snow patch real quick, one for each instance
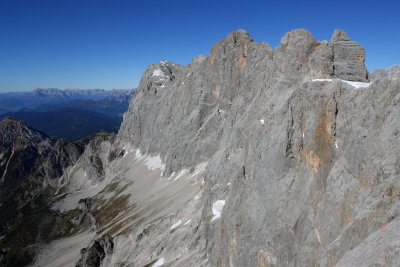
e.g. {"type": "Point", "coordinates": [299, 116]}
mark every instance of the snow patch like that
{"type": "Point", "coordinates": [176, 224]}
{"type": "Point", "coordinates": [138, 154]}
{"type": "Point", "coordinates": [181, 173]}
{"type": "Point", "coordinates": [262, 121]}
{"type": "Point", "coordinates": [158, 72]}
{"type": "Point", "coordinates": [217, 208]}
{"type": "Point", "coordinates": [354, 84]}
{"type": "Point", "coordinates": [357, 84]}
{"type": "Point", "coordinates": [159, 262]}
{"type": "Point", "coordinates": [199, 169]}
{"type": "Point", "coordinates": [187, 222]}
{"type": "Point", "coordinates": [322, 80]}
{"type": "Point", "coordinates": [154, 163]}
{"type": "Point", "coordinates": [336, 145]}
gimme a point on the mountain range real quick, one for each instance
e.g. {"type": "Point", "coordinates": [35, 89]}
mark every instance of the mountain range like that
{"type": "Point", "coordinates": [250, 156]}
{"type": "Point", "coordinates": [70, 114]}
{"type": "Point", "coordinates": [14, 101]}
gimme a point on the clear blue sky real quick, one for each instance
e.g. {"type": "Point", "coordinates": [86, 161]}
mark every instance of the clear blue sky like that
{"type": "Point", "coordinates": [108, 44]}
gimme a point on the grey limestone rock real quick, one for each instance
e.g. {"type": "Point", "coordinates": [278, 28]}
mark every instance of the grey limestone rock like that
{"type": "Point", "coordinates": [308, 170]}
{"type": "Point", "coordinates": [349, 58]}
{"type": "Point", "coordinates": [299, 162]}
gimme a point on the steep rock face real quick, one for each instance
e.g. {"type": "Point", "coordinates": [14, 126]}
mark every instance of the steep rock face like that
{"type": "Point", "coordinates": [349, 58]}
{"type": "Point", "coordinates": [193, 101]}
{"type": "Point", "coordinates": [250, 156]}
{"type": "Point", "coordinates": [305, 164]}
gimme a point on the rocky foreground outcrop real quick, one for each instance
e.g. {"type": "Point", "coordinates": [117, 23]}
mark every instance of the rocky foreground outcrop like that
{"type": "Point", "coordinates": [250, 156]}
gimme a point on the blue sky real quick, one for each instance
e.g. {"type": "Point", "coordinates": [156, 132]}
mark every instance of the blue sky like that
{"type": "Point", "coordinates": [108, 44]}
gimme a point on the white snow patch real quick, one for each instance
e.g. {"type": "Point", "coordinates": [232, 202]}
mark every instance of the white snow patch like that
{"type": "Point", "coordinates": [303, 135]}
{"type": "Point", "coordinates": [162, 85]}
{"type": "Point", "coordinates": [188, 74]}
{"type": "Point", "coordinates": [262, 121]}
{"type": "Point", "coordinates": [228, 184]}
{"type": "Point", "coordinates": [158, 72]}
{"type": "Point", "coordinates": [154, 163]}
{"type": "Point", "coordinates": [322, 80]}
{"type": "Point", "coordinates": [354, 84]}
{"type": "Point", "coordinates": [199, 169]}
{"type": "Point", "coordinates": [181, 173]}
{"type": "Point", "coordinates": [336, 145]}
{"type": "Point", "coordinates": [217, 208]}
{"type": "Point", "coordinates": [172, 175]}
{"type": "Point", "coordinates": [176, 224]}
{"type": "Point", "coordinates": [187, 222]}
{"type": "Point", "coordinates": [159, 262]}
{"type": "Point", "coordinates": [357, 84]}
{"type": "Point", "coordinates": [138, 154]}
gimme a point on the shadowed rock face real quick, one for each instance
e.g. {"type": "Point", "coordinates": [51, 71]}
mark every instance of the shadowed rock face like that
{"type": "Point", "coordinates": [30, 163]}
{"type": "Point", "coordinates": [93, 256]}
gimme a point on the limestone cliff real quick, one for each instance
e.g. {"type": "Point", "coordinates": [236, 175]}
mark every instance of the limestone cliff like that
{"type": "Point", "coordinates": [250, 156]}
{"type": "Point", "coordinates": [301, 147]}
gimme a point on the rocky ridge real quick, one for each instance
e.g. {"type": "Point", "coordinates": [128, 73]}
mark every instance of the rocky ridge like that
{"type": "Point", "coordinates": [30, 163]}
{"type": "Point", "coordinates": [301, 147]}
{"type": "Point", "coordinates": [250, 156]}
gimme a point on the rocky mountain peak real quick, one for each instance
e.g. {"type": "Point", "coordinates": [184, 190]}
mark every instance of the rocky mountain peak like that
{"type": "Point", "coordinates": [239, 37]}
{"type": "Point", "coordinates": [18, 133]}
{"type": "Point", "coordinates": [298, 39]}
{"type": "Point", "coordinates": [339, 35]}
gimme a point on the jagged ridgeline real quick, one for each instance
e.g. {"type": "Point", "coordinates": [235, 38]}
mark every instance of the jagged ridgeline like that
{"type": "Point", "coordinates": [250, 156]}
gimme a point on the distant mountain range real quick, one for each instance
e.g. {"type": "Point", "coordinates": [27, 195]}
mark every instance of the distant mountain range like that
{"type": "Point", "coordinates": [72, 113]}
{"type": "Point", "coordinates": [15, 101]}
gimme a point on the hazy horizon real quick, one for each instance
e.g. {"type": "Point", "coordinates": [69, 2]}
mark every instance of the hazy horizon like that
{"type": "Point", "coordinates": [31, 90]}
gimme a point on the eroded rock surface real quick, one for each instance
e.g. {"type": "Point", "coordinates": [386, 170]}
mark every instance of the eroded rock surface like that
{"type": "Point", "coordinates": [250, 156]}
{"type": "Point", "coordinates": [307, 165]}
